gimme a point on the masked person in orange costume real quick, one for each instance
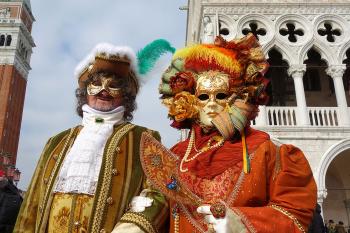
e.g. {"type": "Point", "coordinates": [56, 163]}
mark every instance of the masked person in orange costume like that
{"type": "Point", "coordinates": [226, 176]}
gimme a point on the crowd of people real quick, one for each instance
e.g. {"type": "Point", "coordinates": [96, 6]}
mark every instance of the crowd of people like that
{"type": "Point", "coordinates": [332, 227]}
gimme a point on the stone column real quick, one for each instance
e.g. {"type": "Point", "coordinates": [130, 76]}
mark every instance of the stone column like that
{"type": "Point", "coordinates": [261, 120]}
{"type": "Point", "coordinates": [297, 73]}
{"type": "Point", "coordinates": [321, 195]}
{"type": "Point", "coordinates": [336, 72]}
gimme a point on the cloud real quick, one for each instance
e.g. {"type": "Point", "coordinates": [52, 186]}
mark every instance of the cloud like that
{"type": "Point", "coordinates": [64, 32]}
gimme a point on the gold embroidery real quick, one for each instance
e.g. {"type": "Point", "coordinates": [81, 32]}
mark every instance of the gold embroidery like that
{"type": "Point", "coordinates": [140, 220]}
{"type": "Point", "coordinates": [55, 171]}
{"type": "Point", "coordinates": [177, 223]}
{"type": "Point", "coordinates": [85, 224]}
{"type": "Point", "coordinates": [62, 220]}
{"type": "Point", "coordinates": [107, 178]}
{"type": "Point", "coordinates": [277, 163]}
{"type": "Point", "coordinates": [156, 160]}
{"type": "Point", "coordinates": [245, 220]}
{"type": "Point", "coordinates": [73, 206]}
{"type": "Point", "coordinates": [238, 184]}
{"type": "Point", "coordinates": [289, 215]}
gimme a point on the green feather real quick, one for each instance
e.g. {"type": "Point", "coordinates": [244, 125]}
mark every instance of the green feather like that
{"type": "Point", "coordinates": [149, 55]}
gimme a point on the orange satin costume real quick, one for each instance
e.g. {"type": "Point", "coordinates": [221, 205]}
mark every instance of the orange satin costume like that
{"type": "Point", "coordinates": [278, 195]}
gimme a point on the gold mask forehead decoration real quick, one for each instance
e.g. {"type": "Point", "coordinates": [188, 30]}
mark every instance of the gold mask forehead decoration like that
{"type": "Point", "coordinates": [213, 81]}
{"type": "Point", "coordinates": [104, 83]}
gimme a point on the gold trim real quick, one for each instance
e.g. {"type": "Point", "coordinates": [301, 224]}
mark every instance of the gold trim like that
{"type": "Point", "coordinates": [277, 163]}
{"type": "Point", "coordinates": [54, 172]}
{"type": "Point", "coordinates": [244, 220]}
{"type": "Point", "coordinates": [140, 220]}
{"type": "Point", "coordinates": [289, 215]}
{"type": "Point", "coordinates": [128, 167]}
{"type": "Point", "coordinates": [190, 219]}
{"type": "Point", "coordinates": [72, 214]}
{"type": "Point", "coordinates": [177, 224]}
{"type": "Point", "coordinates": [117, 58]}
{"type": "Point", "coordinates": [106, 178]}
{"type": "Point", "coordinates": [239, 183]}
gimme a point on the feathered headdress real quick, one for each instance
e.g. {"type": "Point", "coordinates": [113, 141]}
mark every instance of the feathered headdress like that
{"type": "Point", "coordinates": [243, 60]}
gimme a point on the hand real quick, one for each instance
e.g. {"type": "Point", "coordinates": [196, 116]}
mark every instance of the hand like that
{"type": "Point", "coordinates": [249, 110]}
{"type": "Point", "coordinates": [220, 225]}
{"type": "Point", "coordinates": [139, 203]}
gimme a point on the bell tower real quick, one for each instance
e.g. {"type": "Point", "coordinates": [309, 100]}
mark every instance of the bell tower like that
{"type": "Point", "coordinates": [16, 45]}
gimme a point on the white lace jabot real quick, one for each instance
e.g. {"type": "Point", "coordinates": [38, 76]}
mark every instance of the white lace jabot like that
{"type": "Point", "coordinates": [81, 166]}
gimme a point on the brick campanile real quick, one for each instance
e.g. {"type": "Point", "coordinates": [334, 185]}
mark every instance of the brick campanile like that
{"type": "Point", "coordinates": [16, 45]}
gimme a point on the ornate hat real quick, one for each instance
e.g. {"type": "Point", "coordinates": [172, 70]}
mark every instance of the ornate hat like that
{"type": "Point", "coordinates": [120, 60]}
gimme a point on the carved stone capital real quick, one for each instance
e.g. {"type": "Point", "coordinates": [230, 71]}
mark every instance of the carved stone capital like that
{"type": "Point", "coordinates": [321, 195]}
{"type": "Point", "coordinates": [296, 70]}
{"type": "Point", "coordinates": [336, 71]}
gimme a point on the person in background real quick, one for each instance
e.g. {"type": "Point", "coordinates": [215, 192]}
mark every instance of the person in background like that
{"type": "Point", "coordinates": [331, 226]}
{"type": "Point", "coordinates": [10, 203]}
{"type": "Point", "coordinates": [317, 225]}
{"type": "Point", "coordinates": [339, 228]}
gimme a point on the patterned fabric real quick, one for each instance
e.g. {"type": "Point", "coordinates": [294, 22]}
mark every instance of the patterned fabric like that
{"type": "Point", "coordinates": [70, 213]}
{"type": "Point", "coordinates": [215, 189]}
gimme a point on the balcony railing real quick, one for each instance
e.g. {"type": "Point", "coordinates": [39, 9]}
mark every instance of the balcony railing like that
{"type": "Point", "coordinates": [288, 116]}
{"type": "Point", "coordinates": [323, 116]}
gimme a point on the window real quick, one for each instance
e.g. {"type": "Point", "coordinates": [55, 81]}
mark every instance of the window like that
{"type": "Point", "coordinates": [2, 40]}
{"type": "Point", "coordinates": [312, 80]}
{"type": "Point", "coordinates": [8, 40]}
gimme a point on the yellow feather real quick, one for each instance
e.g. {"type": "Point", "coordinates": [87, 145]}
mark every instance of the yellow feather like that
{"type": "Point", "coordinates": [199, 52]}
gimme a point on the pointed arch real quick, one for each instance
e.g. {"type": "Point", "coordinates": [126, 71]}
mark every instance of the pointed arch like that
{"type": "Point", "coordinates": [342, 53]}
{"type": "Point", "coordinates": [286, 56]}
{"type": "Point", "coordinates": [321, 49]}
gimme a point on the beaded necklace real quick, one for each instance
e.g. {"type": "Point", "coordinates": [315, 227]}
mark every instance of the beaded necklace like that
{"type": "Point", "coordinates": [191, 144]}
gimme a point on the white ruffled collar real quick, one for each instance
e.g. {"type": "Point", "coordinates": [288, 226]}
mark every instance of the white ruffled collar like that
{"type": "Point", "coordinates": [93, 116]}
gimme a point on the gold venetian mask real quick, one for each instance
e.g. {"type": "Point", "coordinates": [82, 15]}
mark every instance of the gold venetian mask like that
{"type": "Point", "coordinates": [212, 91]}
{"type": "Point", "coordinates": [111, 85]}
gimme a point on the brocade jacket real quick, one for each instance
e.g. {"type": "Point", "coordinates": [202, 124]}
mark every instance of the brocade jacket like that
{"type": "Point", "coordinates": [120, 179]}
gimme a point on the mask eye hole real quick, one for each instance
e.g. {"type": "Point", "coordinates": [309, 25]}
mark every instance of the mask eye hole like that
{"type": "Point", "coordinates": [221, 96]}
{"type": "Point", "coordinates": [203, 97]}
{"type": "Point", "coordinates": [114, 84]}
{"type": "Point", "coordinates": [96, 82]}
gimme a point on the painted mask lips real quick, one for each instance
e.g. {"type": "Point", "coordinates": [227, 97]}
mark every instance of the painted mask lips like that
{"type": "Point", "coordinates": [212, 114]}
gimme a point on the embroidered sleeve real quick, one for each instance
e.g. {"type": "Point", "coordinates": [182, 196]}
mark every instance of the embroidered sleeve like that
{"type": "Point", "coordinates": [139, 220]}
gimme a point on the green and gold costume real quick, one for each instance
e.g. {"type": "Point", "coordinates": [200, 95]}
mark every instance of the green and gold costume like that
{"type": "Point", "coordinates": [120, 179]}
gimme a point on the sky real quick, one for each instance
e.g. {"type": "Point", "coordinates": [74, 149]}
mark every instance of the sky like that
{"type": "Point", "coordinates": [64, 33]}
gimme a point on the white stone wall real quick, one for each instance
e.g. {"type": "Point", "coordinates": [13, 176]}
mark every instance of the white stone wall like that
{"type": "Point", "coordinates": [314, 142]}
